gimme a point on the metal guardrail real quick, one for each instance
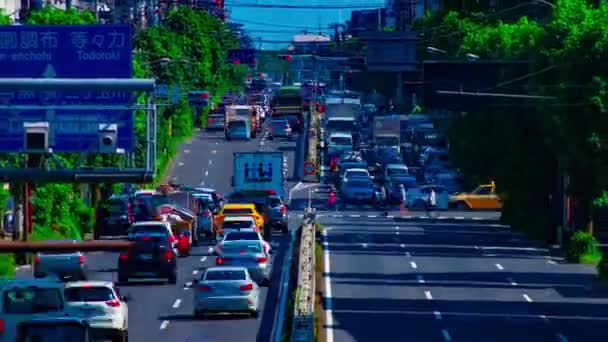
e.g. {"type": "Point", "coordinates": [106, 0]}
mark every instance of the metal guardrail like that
{"type": "Point", "coordinates": [303, 316]}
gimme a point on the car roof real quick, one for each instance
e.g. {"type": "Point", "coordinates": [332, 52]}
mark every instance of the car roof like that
{"type": "Point", "coordinates": [396, 166]}
{"type": "Point", "coordinates": [239, 218]}
{"type": "Point", "coordinates": [340, 135]}
{"type": "Point", "coordinates": [358, 170]}
{"type": "Point", "coordinates": [149, 223]}
{"type": "Point", "coordinates": [95, 283]}
{"type": "Point", "coordinates": [47, 282]}
{"type": "Point", "coordinates": [226, 268]}
{"type": "Point", "coordinates": [205, 189]}
{"type": "Point", "coordinates": [145, 192]}
{"type": "Point", "coordinates": [239, 206]}
{"type": "Point", "coordinates": [202, 195]}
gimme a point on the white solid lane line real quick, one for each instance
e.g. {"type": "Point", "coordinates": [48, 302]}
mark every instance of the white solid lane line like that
{"type": "Point", "coordinates": [446, 335]}
{"type": "Point", "coordinates": [177, 303]}
{"type": "Point", "coordinates": [437, 315]}
{"type": "Point", "coordinates": [420, 279]}
{"type": "Point", "coordinates": [413, 264]}
{"type": "Point", "coordinates": [499, 266]}
{"type": "Point", "coordinates": [428, 295]}
{"type": "Point", "coordinates": [329, 319]}
{"type": "Point", "coordinates": [527, 298]}
{"type": "Point", "coordinates": [164, 325]}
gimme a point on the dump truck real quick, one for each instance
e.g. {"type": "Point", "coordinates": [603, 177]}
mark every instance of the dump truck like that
{"type": "Point", "coordinates": [287, 104]}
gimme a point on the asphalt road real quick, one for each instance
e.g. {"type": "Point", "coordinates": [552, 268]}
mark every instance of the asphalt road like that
{"type": "Point", "coordinates": [396, 280]}
{"type": "Point", "coordinates": [162, 312]}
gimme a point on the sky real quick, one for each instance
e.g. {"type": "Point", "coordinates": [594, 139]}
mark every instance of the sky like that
{"type": "Point", "coordinates": [281, 24]}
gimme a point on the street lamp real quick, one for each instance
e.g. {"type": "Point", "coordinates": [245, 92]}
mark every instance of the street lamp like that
{"type": "Point", "coordinates": [432, 49]}
{"type": "Point", "coordinates": [471, 57]}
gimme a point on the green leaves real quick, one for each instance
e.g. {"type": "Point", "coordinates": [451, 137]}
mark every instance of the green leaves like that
{"type": "Point", "coordinates": [53, 16]}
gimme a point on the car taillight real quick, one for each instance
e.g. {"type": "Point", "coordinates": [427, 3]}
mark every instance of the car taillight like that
{"type": "Point", "coordinates": [1, 326]}
{"type": "Point", "coordinates": [256, 229]}
{"type": "Point", "coordinates": [261, 260]}
{"type": "Point", "coordinates": [113, 303]}
{"type": "Point", "coordinates": [81, 259]}
{"type": "Point", "coordinates": [206, 214]}
{"type": "Point", "coordinates": [204, 288]}
{"type": "Point", "coordinates": [172, 238]}
{"type": "Point", "coordinates": [219, 261]}
{"type": "Point", "coordinates": [283, 209]}
{"type": "Point", "coordinates": [247, 287]}
{"type": "Point", "coordinates": [169, 255]}
{"type": "Point", "coordinates": [36, 260]}
{"type": "Point", "coordinates": [124, 256]}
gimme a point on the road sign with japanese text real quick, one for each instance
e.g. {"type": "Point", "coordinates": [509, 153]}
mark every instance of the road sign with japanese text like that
{"type": "Point", "coordinates": [62, 51]}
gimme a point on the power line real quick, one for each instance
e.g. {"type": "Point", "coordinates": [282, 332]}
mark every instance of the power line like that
{"type": "Point", "coordinates": [246, 21]}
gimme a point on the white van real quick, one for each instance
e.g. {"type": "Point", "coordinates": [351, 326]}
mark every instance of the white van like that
{"type": "Point", "coordinates": [29, 299]}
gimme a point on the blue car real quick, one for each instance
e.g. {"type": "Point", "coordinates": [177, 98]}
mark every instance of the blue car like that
{"type": "Point", "coordinates": [238, 129]}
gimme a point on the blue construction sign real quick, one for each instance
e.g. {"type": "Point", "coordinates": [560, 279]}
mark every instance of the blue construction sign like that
{"type": "Point", "coordinates": [66, 51]}
{"type": "Point", "coordinates": [241, 56]}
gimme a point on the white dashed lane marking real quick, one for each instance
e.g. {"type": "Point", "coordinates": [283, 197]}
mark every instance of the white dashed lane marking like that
{"type": "Point", "coordinates": [428, 295]}
{"type": "Point", "coordinates": [203, 259]}
{"type": "Point", "coordinates": [413, 264]}
{"type": "Point", "coordinates": [499, 266]}
{"type": "Point", "coordinates": [180, 163]}
{"type": "Point", "coordinates": [446, 335]}
{"type": "Point", "coordinates": [195, 272]}
{"type": "Point", "coordinates": [527, 298]}
{"type": "Point", "coordinates": [177, 303]}
{"type": "Point", "coordinates": [186, 151]}
{"type": "Point", "coordinates": [164, 325]}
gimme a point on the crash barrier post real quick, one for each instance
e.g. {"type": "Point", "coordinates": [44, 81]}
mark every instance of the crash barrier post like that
{"type": "Point", "coordinates": [303, 316]}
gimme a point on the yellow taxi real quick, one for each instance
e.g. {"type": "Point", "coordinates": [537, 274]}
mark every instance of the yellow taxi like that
{"type": "Point", "coordinates": [239, 209]}
{"type": "Point", "coordinates": [483, 197]}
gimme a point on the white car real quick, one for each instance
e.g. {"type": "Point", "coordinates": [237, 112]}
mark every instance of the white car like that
{"type": "Point", "coordinates": [244, 236]}
{"type": "Point", "coordinates": [355, 173]}
{"type": "Point", "coordinates": [101, 305]}
{"type": "Point", "coordinates": [239, 224]}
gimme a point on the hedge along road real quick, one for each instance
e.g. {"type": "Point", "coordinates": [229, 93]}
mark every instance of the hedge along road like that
{"type": "Point", "coordinates": [161, 311]}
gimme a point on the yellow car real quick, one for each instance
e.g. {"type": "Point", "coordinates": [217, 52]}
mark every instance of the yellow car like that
{"type": "Point", "coordinates": [483, 197]}
{"type": "Point", "coordinates": [239, 209]}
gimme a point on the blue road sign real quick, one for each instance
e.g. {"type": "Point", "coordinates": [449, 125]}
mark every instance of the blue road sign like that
{"type": "Point", "coordinates": [244, 56]}
{"type": "Point", "coordinates": [62, 51]}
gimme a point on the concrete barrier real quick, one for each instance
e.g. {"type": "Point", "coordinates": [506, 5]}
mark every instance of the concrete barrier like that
{"type": "Point", "coordinates": [303, 316]}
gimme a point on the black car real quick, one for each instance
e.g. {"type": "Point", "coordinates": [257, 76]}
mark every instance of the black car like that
{"type": "Point", "coordinates": [151, 256]}
{"type": "Point", "coordinates": [113, 217]}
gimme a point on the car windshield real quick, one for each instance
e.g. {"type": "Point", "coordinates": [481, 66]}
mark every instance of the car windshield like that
{"type": "Point", "coordinates": [32, 300]}
{"type": "Point", "coordinates": [397, 171]}
{"type": "Point", "coordinates": [359, 184]}
{"type": "Point", "coordinates": [236, 224]}
{"type": "Point", "coordinates": [341, 141]}
{"type": "Point", "coordinates": [149, 244]}
{"type": "Point", "coordinates": [153, 229]}
{"type": "Point", "coordinates": [352, 174]}
{"type": "Point", "coordinates": [235, 211]}
{"type": "Point", "coordinates": [225, 275]}
{"type": "Point", "coordinates": [340, 125]}
{"type": "Point", "coordinates": [71, 332]}
{"type": "Point", "coordinates": [237, 124]}
{"type": "Point", "coordinates": [274, 202]}
{"type": "Point", "coordinates": [242, 248]}
{"type": "Point", "coordinates": [245, 236]}
{"type": "Point", "coordinates": [88, 294]}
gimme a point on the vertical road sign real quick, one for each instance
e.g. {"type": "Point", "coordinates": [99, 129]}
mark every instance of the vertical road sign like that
{"type": "Point", "coordinates": [61, 51]}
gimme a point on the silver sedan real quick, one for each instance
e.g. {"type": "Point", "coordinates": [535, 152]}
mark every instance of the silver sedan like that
{"type": "Point", "coordinates": [248, 254]}
{"type": "Point", "coordinates": [226, 289]}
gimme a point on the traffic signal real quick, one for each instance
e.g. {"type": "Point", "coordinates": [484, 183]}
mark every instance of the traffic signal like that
{"type": "Point", "coordinates": [285, 57]}
{"type": "Point", "coordinates": [237, 61]}
{"type": "Point", "coordinates": [199, 97]}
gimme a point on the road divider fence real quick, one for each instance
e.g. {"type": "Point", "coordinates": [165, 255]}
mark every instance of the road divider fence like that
{"type": "Point", "coordinates": [303, 315]}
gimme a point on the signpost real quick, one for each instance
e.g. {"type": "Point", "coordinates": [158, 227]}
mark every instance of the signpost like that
{"type": "Point", "coordinates": [309, 168]}
{"type": "Point", "coordinates": [62, 51]}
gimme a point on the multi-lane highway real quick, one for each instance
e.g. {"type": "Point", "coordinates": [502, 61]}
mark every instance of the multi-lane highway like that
{"type": "Point", "coordinates": [450, 280]}
{"type": "Point", "coordinates": [162, 312]}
